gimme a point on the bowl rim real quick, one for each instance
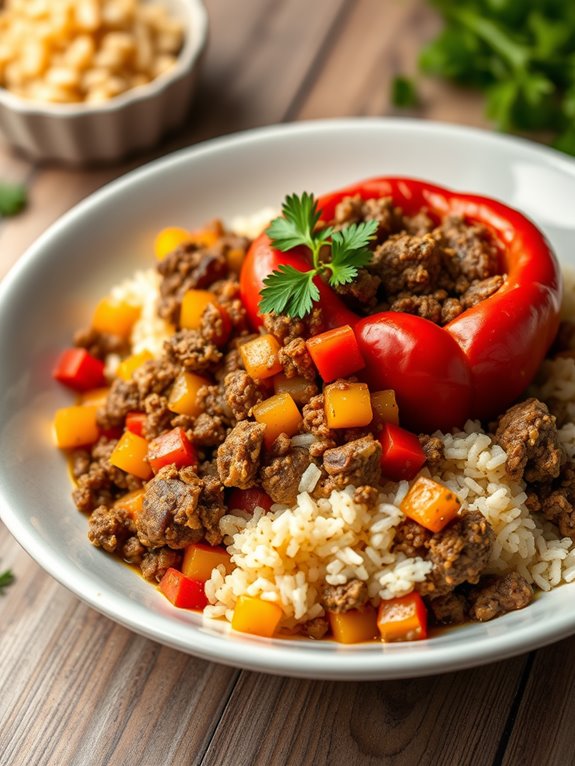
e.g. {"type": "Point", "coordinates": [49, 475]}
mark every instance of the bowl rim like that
{"type": "Point", "coordinates": [262, 654]}
{"type": "Point", "coordinates": [194, 16]}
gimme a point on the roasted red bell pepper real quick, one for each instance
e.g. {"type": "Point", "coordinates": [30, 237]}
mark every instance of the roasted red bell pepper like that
{"type": "Point", "coordinates": [335, 353]}
{"type": "Point", "coordinates": [183, 592]}
{"type": "Point", "coordinates": [78, 369]}
{"type": "Point", "coordinates": [171, 447]}
{"type": "Point", "coordinates": [401, 453]}
{"type": "Point", "coordinates": [482, 360]}
{"type": "Point", "coordinates": [249, 499]}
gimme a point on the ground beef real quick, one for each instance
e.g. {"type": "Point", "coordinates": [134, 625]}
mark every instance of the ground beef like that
{"type": "Point", "coordinates": [286, 328]}
{"type": "Point", "coordinates": [556, 500]}
{"type": "Point", "coordinates": [314, 422]}
{"type": "Point", "coordinates": [212, 508]}
{"type": "Point", "coordinates": [155, 563]}
{"type": "Point", "coordinates": [425, 306]}
{"type": "Point", "coordinates": [238, 457]}
{"type": "Point", "coordinates": [212, 325]}
{"type": "Point", "coordinates": [190, 350]}
{"type": "Point", "coordinates": [497, 595]}
{"type": "Point", "coordinates": [154, 377]}
{"type": "Point", "coordinates": [342, 598]}
{"type": "Point", "coordinates": [228, 294]}
{"type": "Point", "coordinates": [361, 293]}
{"type": "Point", "coordinates": [212, 400]}
{"type": "Point", "coordinates": [169, 515]}
{"type": "Point", "coordinates": [101, 483]}
{"type": "Point", "coordinates": [188, 267]}
{"type": "Point", "coordinates": [357, 462]}
{"type": "Point", "coordinates": [459, 553]}
{"type": "Point", "coordinates": [158, 416]}
{"type": "Point", "coordinates": [316, 628]}
{"type": "Point", "coordinates": [355, 210]}
{"type": "Point", "coordinates": [469, 249]}
{"type": "Point", "coordinates": [208, 430]}
{"type": "Point", "coordinates": [433, 449]}
{"type": "Point", "coordinates": [123, 397]}
{"type": "Point", "coordinates": [280, 476]}
{"type": "Point", "coordinates": [411, 539]}
{"type": "Point", "coordinates": [528, 434]}
{"type": "Point", "coordinates": [407, 263]}
{"type": "Point", "coordinates": [80, 462]}
{"type": "Point", "coordinates": [450, 609]}
{"type": "Point", "coordinates": [100, 344]}
{"type": "Point", "coordinates": [296, 360]}
{"type": "Point", "coordinates": [109, 528]}
{"type": "Point", "coordinates": [366, 495]}
{"type": "Point", "coordinates": [241, 393]}
{"type": "Point", "coordinates": [480, 290]}
{"type": "Point", "coordinates": [133, 551]}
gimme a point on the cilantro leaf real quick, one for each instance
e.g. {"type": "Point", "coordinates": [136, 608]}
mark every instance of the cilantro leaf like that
{"type": "Point", "coordinates": [6, 579]}
{"type": "Point", "coordinates": [295, 227]}
{"type": "Point", "coordinates": [289, 291]}
{"type": "Point", "coordinates": [349, 251]}
{"type": "Point", "coordinates": [12, 198]}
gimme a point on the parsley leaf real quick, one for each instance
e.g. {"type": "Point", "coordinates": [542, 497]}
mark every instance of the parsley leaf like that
{"type": "Point", "coordinates": [6, 579]}
{"type": "Point", "coordinates": [290, 291]}
{"type": "Point", "coordinates": [404, 92]}
{"type": "Point", "coordinates": [12, 198]}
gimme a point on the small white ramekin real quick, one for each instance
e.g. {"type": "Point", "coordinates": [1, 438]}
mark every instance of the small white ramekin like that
{"type": "Point", "coordinates": [82, 134]}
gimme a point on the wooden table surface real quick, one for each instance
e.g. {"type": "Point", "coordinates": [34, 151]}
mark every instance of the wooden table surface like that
{"type": "Point", "coordinates": [75, 688]}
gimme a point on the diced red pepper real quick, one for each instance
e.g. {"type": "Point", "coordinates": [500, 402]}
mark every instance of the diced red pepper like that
{"type": "Point", "coordinates": [335, 353]}
{"type": "Point", "coordinates": [402, 455]}
{"type": "Point", "coordinates": [78, 369]}
{"type": "Point", "coordinates": [135, 422]}
{"type": "Point", "coordinates": [249, 499]}
{"type": "Point", "coordinates": [171, 447]}
{"type": "Point", "coordinates": [183, 592]}
{"type": "Point", "coordinates": [403, 618]}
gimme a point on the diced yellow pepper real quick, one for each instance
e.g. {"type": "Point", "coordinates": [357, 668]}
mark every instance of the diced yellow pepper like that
{"type": "Point", "coordinates": [385, 406]}
{"type": "Point", "coordinates": [194, 303]}
{"type": "Point", "coordinates": [347, 405]}
{"type": "Point", "coordinates": [76, 426]}
{"type": "Point", "coordinates": [256, 616]}
{"type": "Point", "coordinates": [260, 357]}
{"type": "Point", "coordinates": [297, 387]}
{"type": "Point", "coordinates": [130, 364]}
{"type": "Point", "coordinates": [115, 317]}
{"type": "Point", "coordinates": [168, 239]}
{"type": "Point", "coordinates": [183, 397]}
{"type": "Point", "coordinates": [131, 502]}
{"type": "Point", "coordinates": [199, 561]}
{"type": "Point", "coordinates": [354, 626]}
{"type": "Point", "coordinates": [235, 258]}
{"type": "Point", "coordinates": [279, 414]}
{"type": "Point", "coordinates": [130, 454]}
{"type": "Point", "coordinates": [431, 504]}
{"type": "Point", "coordinates": [95, 396]}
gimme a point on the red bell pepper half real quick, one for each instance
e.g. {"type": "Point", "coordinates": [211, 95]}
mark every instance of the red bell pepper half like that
{"type": "Point", "coordinates": [477, 364]}
{"type": "Point", "coordinates": [173, 447]}
{"type": "Point", "coordinates": [401, 453]}
{"type": "Point", "coordinates": [249, 499]}
{"type": "Point", "coordinates": [183, 592]}
{"type": "Point", "coordinates": [335, 353]}
{"type": "Point", "coordinates": [78, 369]}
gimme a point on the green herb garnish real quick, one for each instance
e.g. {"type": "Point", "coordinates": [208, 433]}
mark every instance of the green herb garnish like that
{"type": "Point", "coordinates": [6, 579]}
{"type": "Point", "coordinates": [521, 55]}
{"type": "Point", "coordinates": [12, 198]}
{"type": "Point", "coordinates": [335, 255]}
{"type": "Point", "coordinates": [404, 92]}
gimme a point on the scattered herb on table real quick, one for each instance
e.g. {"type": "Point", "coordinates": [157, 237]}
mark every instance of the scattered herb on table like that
{"type": "Point", "coordinates": [337, 255]}
{"type": "Point", "coordinates": [6, 579]}
{"type": "Point", "coordinates": [13, 198]}
{"type": "Point", "coordinates": [521, 55]}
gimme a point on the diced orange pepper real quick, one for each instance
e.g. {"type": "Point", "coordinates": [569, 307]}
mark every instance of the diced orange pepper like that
{"type": "Point", "coordinates": [183, 397]}
{"type": "Point", "coordinates": [76, 426]}
{"type": "Point", "coordinates": [260, 357]}
{"type": "Point", "coordinates": [385, 407]}
{"type": "Point", "coordinates": [194, 303]}
{"type": "Point", "coordinates": [130, 454]}
{"type": "Point", "coordinates": [354, 626]}
{"type": "Point", "coordinates": [347, 405]}
{"type": "Point", "coordinates": [131, 502]}
{"type": "Point", "coordinates": [430, 503]}
{"type": "Point", "coordinates": [297, 387]}
{"type": "Point", "coordinates": [200, 560]}
{"type": "Point", "coordinates": [403, 618]}
{"type": "Point", "coordinates": [130, 364]}
{"type": "Point", "coordinates": [256, 616]}
{"type": "Point", "coordinates": [208, 236]}
{"type": "Point", "coordinates": [279, 414]}
{"type": "Point", "coordinates": [168, 239]}
{"type": "Point", "coordinates": [235, 258]}
{"type": "Point", "coordinates": [115, 317]}
{"type": "Point", "coordinates": [95, 396]}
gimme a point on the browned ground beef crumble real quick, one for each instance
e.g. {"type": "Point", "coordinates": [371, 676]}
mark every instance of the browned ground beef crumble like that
{"type": "Point", "coordinates": [422, 266]}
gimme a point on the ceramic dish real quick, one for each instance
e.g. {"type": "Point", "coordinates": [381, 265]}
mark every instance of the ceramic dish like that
{"type": "Point", "coordinates": [53, 288]}
{"type": "Point", "coordinates": [81, 134]}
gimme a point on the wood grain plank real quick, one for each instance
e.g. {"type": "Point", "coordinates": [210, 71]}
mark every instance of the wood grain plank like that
{"type": "Point", "coordinates": [62, 662]}
{"type": "Point", "coordinates": [456, 718]}
{"type": "Point", "coordinates": [542, 731]}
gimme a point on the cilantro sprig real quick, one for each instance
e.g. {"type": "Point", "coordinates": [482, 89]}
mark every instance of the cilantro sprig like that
{"type": "Point", "coordinates": [336, 256]}
{"type": "Point", "coordinates": [6, 579]}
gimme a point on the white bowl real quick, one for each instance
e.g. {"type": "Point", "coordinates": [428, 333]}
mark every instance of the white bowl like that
{"type": "Point", "coordinates": [137, 119]}
{"type": "Point", "coordinates": [53, 288]}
